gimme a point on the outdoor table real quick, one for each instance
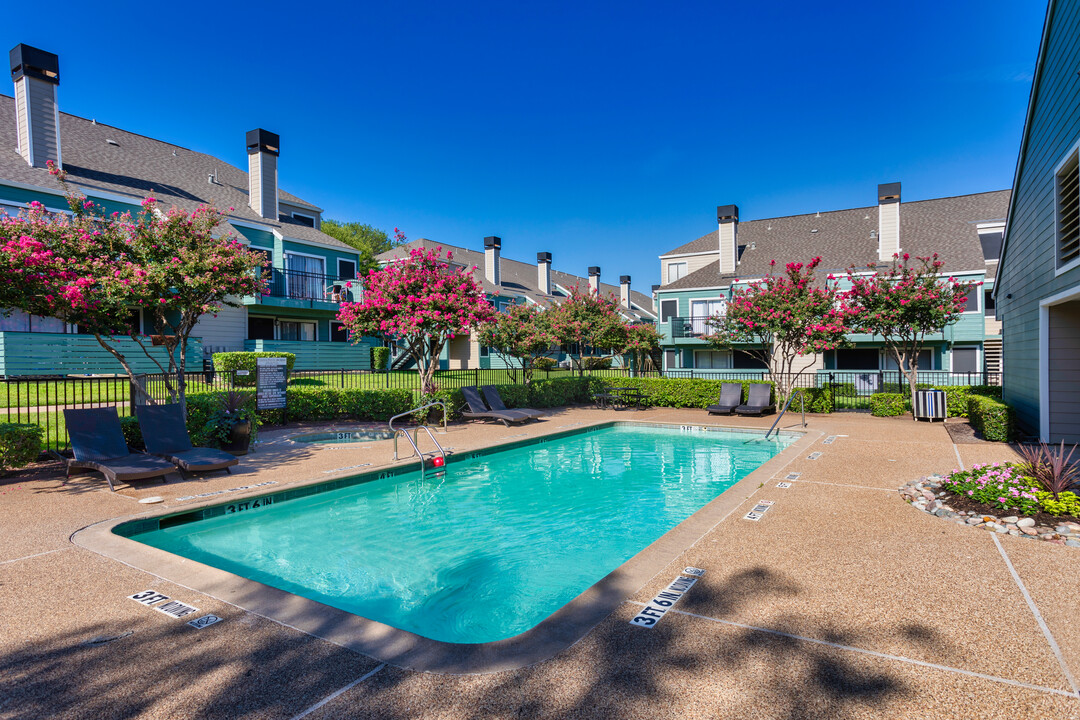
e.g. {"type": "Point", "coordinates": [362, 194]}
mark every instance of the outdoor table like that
{"type": "Point", "coordinates": [629, 396]}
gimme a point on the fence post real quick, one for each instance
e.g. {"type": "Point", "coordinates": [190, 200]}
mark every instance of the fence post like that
{"type": "Point", "coordinates": [138, 394]}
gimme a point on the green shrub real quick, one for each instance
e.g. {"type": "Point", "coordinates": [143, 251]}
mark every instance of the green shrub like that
{"type": "Point", "coordinates": [19, 445]}
{"type": "Point", "coordinates": [888, 404]}
{"type": "Point", "coordinates": [544, 363]}
{"type": "Point", "coordinates": [676, 392]}
{"type": "Point", "coordinates": [1066, 504]}
{"type": "Point", "coordinates": [1001, 485]}
{"type": "Point", "coordinates": [307, 382]}
{"type": "Point", "coordinates": [818, 400]}
{"type": "Point", "coordinates": [596, 363]}
{"type": "Point", "coordinates": [132, 432]}
{"type": "Point", "coordinates": [380, 356]}
{"type": "Point", "coordinates": [228, 362]}
{"type": "Point", "coordinates": [991, 418]}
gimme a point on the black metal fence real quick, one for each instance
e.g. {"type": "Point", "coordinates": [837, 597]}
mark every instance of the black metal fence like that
{"type": "Point", "coordinates": [41, 401]}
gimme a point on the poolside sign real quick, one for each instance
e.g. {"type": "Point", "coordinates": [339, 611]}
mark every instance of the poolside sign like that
{"type": "Point", "coordinates": [666, 598]}
{"type": "Point", "coordinates": [154, 599]}
{"type": "Point", "coordinates": [273, 381]}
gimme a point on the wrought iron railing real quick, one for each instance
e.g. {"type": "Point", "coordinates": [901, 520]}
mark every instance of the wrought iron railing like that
{"type": "Point", "coordinates": [694, 326]}
{"type": "Point", "coordinates": [298, 285]}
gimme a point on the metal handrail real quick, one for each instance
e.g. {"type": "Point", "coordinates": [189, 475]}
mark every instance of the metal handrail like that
{"type": "Point", "coordinates": [413, 440]}
{"type": "Point", "coordinates": [802, 404]}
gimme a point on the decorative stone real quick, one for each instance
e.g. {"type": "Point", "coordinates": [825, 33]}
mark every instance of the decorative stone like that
{"type": "Point", "coordinates": [1073, 543]}
{"type": "Point", "coordinates": [989, 519]}
{"type": "Point", "coordinates": [1028, 531]}
{"type": "Point", "coordinates": [1062, 529]}
{"type": "Point", "coordinates": [1014, 533]}
{"type": "Point", "coordinates": [1010, 519]}
{"type": "Point", "coordinates": [974, 521]}
{"type": "Point", "coordinates": [1025, 522]}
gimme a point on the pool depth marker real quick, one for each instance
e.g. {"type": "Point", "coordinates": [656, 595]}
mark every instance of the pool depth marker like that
{"type": "Point", "coordinates": [760, 509]}
{"type": "Point", "coordinates": [666, 598]}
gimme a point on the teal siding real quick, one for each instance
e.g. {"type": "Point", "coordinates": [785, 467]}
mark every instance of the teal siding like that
{"type": "Point", "coordinates": [319, 355]}
{"type": "Point", "coordinates": [24, 353]}
{"type": "Point", "coordinates": [1027, 270]}
{"type": "Point", "coordinates": [263, 239]}
{"type": "Point", "coordinates": [21, 196]}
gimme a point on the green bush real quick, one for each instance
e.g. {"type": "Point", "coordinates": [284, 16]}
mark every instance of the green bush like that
{"type": "Point", "coordinates": [380, 356]}
{"type": "Point", "coordinates": [19, 445]}
{"type": "Point", "coordinates": [1067, 503]}
{"type": "Point", "coordinates": [888, 404]}
{"type": "Point", "coordinates": [676, 392]}
{"type": "Point", "coordinates": [544, 363]}
{"type": "Point", "coordinates": [991, 418]}
{"type": "Point", "coordinates": [132, 432]}
{"type": "Point", "coordinates": [818, 400]}
{"type": "Point", "coordinates": [596, 363]}
{"type": "Point", "coordinates": [227, 362]}
{"type": "Point", "coordinates": [307, 382]}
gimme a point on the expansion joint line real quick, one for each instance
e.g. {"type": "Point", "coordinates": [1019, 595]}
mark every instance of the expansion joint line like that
{"type": "Point", "coordinates": [871, 653]}
{"type": "Point", "coordinates": [1038, 617]}
{"type": "Point", "coordinates": [337, 693]}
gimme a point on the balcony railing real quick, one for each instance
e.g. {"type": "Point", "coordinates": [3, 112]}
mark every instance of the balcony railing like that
{"type": "Point", "coordinates": [691, 327]}
{"type": "Point", "coordinates": [297, 285]}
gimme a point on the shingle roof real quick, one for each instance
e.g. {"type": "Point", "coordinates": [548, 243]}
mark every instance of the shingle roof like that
{"type": "Point", "coordinates": [842, 238]}
{"type": "Point", "coordinates": [137, 165]}
{"type": "Point", "coordinates": [521, 278]}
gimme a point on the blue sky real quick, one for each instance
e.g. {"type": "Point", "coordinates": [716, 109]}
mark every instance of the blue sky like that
{"type": "Point", "coordinates": [604, 133]}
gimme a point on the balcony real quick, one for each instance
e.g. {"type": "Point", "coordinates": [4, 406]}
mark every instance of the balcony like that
{"type": "Point", "coordinates": [295, 289]}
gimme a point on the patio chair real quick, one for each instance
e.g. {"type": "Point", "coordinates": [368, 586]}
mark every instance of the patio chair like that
{"type": "Point", "coordinates": [166, 436]}
{"type": "Point", "coordinates": [495, 402]}
{"type": "Point", "coordinates": [97, 441]}
{"type": "Point", "coordinates": [477, 410]}
{"type": "Point", "coordinates": [757, 401]}
{"type": "Point", "coordinates": [730, 398]}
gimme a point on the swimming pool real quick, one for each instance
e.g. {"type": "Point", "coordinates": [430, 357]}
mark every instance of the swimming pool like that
{"type": "Point", "coordinates": [488, 549]}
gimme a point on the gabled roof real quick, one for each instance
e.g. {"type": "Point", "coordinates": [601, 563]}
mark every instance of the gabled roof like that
{"type": "Point", "coordinates": [138, 165]}
{"type": "Point", "coordinates": [522, 279]}
{"type": "Point", "coordinates": [842, 238]}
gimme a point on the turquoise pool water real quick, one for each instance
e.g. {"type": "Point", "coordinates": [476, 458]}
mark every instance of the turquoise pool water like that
{"type": "Point", "coordinates": [491, 547]}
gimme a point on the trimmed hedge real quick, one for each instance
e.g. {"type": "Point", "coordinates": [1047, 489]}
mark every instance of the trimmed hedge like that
{"type": "Point", "coordinates": [888, 404]}
{"type": "Point", "coordinates": [676, 392]}
{"type": "Point", "coordinates": [956, 396]}
{"type": "Point", "coordinates": [993, 419]}
{"type": "Point", "coordinates": [596, 363]}
{"type": "Point", "coordinates": [230, 361]}
{"type": "Point", "coordinates": [132, 432]}
{"type": "Point", "coordinates": [19, 445]}
{"type": "Point", "coordinates": [380, 356]}
{"type": "Point", "coordinates": [544, 363]}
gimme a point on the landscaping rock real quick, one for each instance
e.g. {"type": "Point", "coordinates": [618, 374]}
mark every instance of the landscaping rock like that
{"type": "Point", "coordinates": [1025, 522]}
{"type": "Point", "coordinates": [1028, 530]}
{"type": "Point", "coordinates": [1073, 543]}
{"type": "Point", "coordinates": [1010, 519]}
{"type": "Point", "coordinates": [1062, 529]}
{"type": "Point", "coordinates": [974, 521]}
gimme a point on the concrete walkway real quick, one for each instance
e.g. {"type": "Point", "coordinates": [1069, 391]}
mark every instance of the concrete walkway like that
{"type": "Point", "coordinates": [841, 602]}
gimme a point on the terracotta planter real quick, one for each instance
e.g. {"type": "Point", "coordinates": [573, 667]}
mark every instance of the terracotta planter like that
{"type": "Point", "coordinates": [239, 439]}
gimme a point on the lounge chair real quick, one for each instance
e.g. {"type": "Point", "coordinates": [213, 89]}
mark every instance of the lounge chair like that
{"type": "Point", "coordinates": [166, 436]}
{"type": "Point", "coordinates": [97, 441]}
{"type": "Point", "coordinates": [479, 411]}
{"type": "Point", "coordinates": [757, 401]}
{"type": "Point", "coordinates": [730, 398]}
{"type": "Point", "coordinates": [495, 402]}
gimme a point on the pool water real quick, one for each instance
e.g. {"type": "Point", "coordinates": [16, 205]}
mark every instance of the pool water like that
{"type": "Point", "coordinates": [489, 548]}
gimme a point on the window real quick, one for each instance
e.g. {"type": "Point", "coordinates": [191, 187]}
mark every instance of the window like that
{"type": "Point", "coordinates": [676, 271]}
{"type": "Point", "coordinates": [742, 360]}
{"type": "Point", "coordinates": [671, 359]}
{"type": "Point", "coordinates": [1068, 210]}
{"type": "Point", "coordinates": [990, 239]}
{"type": "Point", "coordinates": [668, 309]}
{"type": "Point", "coordinates": [298, 330]}
{"type": "Point", "coordinates": [260, 328]}
{"type": "Point", "coordinates": [965, 360]}
{"type": "Point", "coordinates": [308, 220]}
{"type": "Point", "coordinates": [988, 303]}
{"type": "Point", "coordinates": [926, 360]}
{"type": "Point", "coordinates": [305, 276]}
{"type": "Point", "coordinates": [712, 360]}
{"type": "Point", "coordinates": [346, 269]}
{"type": "Point", "coordinates": [857, 359]}
{"type": "Point", "coordinates": [971, 304]}
{"type": "Point", "coordinates": [485, 351]}
{"type": "Point", "coordinates": [702, 310]}
{"type": "Point", "coordinates": [338, 332]}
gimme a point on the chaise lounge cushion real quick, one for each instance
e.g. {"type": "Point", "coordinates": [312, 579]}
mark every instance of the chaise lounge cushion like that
{"type": "Point", "coordinates": [479, 411]}
{"type": "Point", "coordinates": [758, 400]}
{"type": "Point", "coordinates": [730, 398]}
{"type": "Point", "coordinates": [494, 400]}
{"type": "Point", "coordinates": [165, 435]}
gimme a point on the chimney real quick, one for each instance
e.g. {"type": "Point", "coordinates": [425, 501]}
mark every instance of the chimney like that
{"type": "Point", "coordinates": [37, 115]}
{"type": "Point", "coordinates": [492, 245]}
{"type": "Point", "coordinates": [888, 235]}
{"type": "Point", "coordinates": [543, 272]}
{"type": "Point", "coordinates": [654, 301]}
{"type": "Point", "coordinates": [594, 279]}
{"type": "Point", "coordinates": [624, 291]}
{"type": "Point", "coordinates": [263, 148]}
{"type": "Point", "coordinates": [727, 216]}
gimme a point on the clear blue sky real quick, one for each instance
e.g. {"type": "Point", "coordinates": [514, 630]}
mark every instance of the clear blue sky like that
{"type": "Point", "coordinates": [605, 133]}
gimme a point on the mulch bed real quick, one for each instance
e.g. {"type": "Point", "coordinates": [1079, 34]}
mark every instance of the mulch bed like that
{"type": "Point", "coordinates": [962, 433]}
{"type": "Point", "coordinates": [964, 503]}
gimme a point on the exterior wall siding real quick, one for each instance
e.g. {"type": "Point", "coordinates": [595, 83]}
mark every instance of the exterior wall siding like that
{"type": "Point", "coordinates": [1063, 347]}
{"type": "Point", "coordinates": [1027, 272]}
{"type": "Point", "coordinates": [224, 333]}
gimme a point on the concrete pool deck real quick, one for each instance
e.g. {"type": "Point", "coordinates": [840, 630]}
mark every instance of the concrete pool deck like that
{"type": "Point", "coordinates": [842, 601]}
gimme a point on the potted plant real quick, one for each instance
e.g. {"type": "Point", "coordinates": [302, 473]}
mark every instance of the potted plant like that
{"type": "Point", "coordinates": [234, 424]}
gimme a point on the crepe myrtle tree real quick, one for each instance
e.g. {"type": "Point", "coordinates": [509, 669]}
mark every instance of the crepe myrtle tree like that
{"type": "Point", "coordinates": [588, 319]}
{"type": "Point", "coordinates": [642, 340]}
{"type": "Point", "coordinates": [782, 317]}
{"type": "Point", "coordinates": [421, 302]}
{"type": "Point", "coordinates": [904, 303]}
{"type": "Point", "coordinates": [91, 269]}
{"type": "Point", "coordinates": [519, 333]}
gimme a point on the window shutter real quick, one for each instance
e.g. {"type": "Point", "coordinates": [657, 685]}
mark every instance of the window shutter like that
{"type": "Point", "coordinates": [1068, 215]}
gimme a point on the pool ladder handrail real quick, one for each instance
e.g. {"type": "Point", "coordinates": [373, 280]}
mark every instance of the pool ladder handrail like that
{"type": "Point", "coordinates": [414, 438]}
{"type": "Point", "coordinates": [802, 404]}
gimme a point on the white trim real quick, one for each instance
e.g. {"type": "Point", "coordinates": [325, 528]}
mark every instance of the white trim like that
{"type": "Point", "coordinates": [314, 220]}
{"type": "Point", "coordinates": [693, 254]}
{"type": "Point", "coordinates": [356, 268]}
{"type": "Point", "coordinates": [679, 290]}
{"type": "Point", "coordinates": [667, 270]}
{"type": "Point", "coordinates": [661, 303]}
{"type": "Point", "coordinates": [1044, 355]}
{"type": "Point", "coordinates": [103, 195]}
{"type": "Point", "coordinates": [978, 356]}
{"type": "Point", "coordinates": [310, 255]}
{"type": "Point", "coordinates": [1069, 154]}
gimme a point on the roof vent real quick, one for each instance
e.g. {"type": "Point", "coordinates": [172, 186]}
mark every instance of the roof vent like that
{"type": "Point", "coordinates": [112, 142]}
{"type": "Point", "coordinates": [813, 231]}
